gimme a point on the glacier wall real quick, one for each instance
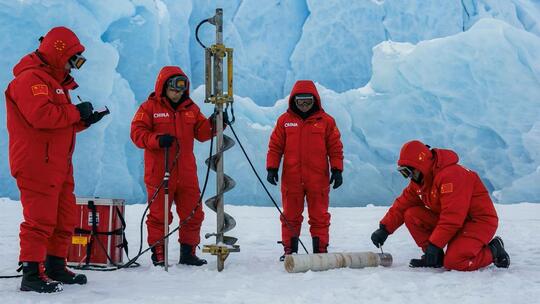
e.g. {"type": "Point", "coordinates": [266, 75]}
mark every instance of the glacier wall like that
{"type": "Point", "coordinates": [457, 74]}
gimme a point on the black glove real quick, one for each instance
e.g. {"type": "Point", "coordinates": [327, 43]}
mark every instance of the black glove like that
{"type": "Point", "coordinates": [165, 140]}
{"type": "Point", "coordinates": [213, 119]}
{"type": "Point", "coordinates": [336, 178]}
{"type": "Point", "coordinates": [434, 256]}
{"type": "Point", "coordinates": [379, 236]}
{"type": "Point", "coordinates": [95, 117]}
{"type": "Point", "coordinates": [85, 109]}
{"type": "Point", "coordinates": [272, 177]}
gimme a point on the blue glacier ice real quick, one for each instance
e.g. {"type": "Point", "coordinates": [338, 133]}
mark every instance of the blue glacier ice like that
{"type": "Point", "coordinates": [462, 74]}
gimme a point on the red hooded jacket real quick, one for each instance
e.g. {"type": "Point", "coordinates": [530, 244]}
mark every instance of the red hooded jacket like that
{"type": "Point", "coordinates": [41, 120]}
{"type": "Point", "coordinates": [307, 146]}
{"type": "Point", "coordinates": [156, 117]}
{"type": "Point", "coordinates": [454, 192]}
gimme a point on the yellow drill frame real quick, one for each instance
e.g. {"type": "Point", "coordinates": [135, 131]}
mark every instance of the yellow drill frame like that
{"type": "Point", "coordinates": [220, 51]}
{"type": "Point", "coordinates": [220, 250]}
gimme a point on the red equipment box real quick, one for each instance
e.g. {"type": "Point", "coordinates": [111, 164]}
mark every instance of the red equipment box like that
{"type": "Point", "coordinates": [98, 242]}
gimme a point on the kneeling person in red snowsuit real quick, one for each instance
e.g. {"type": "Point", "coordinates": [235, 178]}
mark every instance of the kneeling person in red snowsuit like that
{"type": "Point", "coordinates": [444, 205]}
{"type": "Point", "coordinates": [308, 139]}
{"type": "Point", "coordinates": [42, 122]}
{"type": "Point", "coordinates": [170, 119]}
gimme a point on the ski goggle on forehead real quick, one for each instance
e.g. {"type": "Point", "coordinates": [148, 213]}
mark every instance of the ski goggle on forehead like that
{"type": "Point", "coordinates": [304, 100]}
{"type": "Point", "coordinates": [178, 83]}
{"type": "Point", "coordinates": [76, 61]}
{"type": "Point", "coordinates": [407, 172]}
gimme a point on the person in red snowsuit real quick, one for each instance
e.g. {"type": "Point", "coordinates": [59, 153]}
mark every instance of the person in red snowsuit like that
{"type": "Point", "coordinates": [169, 119]}
{"type": "Point", "coordinates": [309, 141]}
{"type": "Point", "coordinates": [444, 205]}
{"type": "Point", "coordinates": [42, 122]}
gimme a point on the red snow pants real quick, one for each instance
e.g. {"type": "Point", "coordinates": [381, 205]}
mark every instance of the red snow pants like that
{"type": "Point", "coordinates": [293, 207]}
{"type": "Point", "coordinates": [465, 252]}
{"type": "Point", "coordinates": [186, 198]}
{"type": "Point", "coordinates": [49, 213]}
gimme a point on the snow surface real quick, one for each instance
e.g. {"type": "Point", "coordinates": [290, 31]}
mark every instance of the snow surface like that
{"type": "Point", "coordinates": [256, 276]}
{"type": "Point", "coordinates": [461, 74]}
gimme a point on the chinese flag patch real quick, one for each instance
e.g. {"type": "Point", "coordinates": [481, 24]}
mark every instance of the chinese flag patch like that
{"type": "Point", "coordinates": [40, 89]}
{"type": "Point", "coordinates": [447, 188]}
{"type": "Point", "coordinates": [138, 116]}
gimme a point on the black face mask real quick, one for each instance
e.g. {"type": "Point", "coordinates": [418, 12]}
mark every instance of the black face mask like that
{"type": "Point", "coordinates": [409, 172]}
{"type": "Point", "coordinates": [418, 178]}
{"type": "Point", "coordinates": [173, 104]}
{"type": "Point", "coordinates": [304, 115]}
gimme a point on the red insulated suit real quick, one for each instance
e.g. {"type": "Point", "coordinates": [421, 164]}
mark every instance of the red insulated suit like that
{"type": "Point", "coordinates": [451, 208]}
{"type": "Point", "coordinates": [307, 147]}
{"type": "Point", "coordinates": [156, 117]}
{"type": "Point", "coordinates": [42, 122]}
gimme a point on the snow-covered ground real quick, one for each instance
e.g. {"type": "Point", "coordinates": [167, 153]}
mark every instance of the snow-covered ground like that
{"type": "Point", "coordinates": [255, 276]}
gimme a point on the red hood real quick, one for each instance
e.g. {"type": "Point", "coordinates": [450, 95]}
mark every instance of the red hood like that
{"type": "Point", "coordinates": [417, 155]}
{"type": "Point", "coordinates": [55, 49]}
{"type": "Point", "coordinates": [444, 158]}
{"type": "Point", "coordinates": [305, 87]}
{"type": "Point", "coordinates": [166, 73]}
{"type": "Point", "coordinates": [58, 45]}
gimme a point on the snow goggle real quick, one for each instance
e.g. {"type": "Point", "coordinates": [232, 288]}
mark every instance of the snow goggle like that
{"type": "Point", "coordinates": [407, 172]}
{"type": "Point", "coordinates": [178, 83]}
{"type": "Point", "coordinates": [76, 61]}
{"type": "Point", "coordinates": [304, 100]}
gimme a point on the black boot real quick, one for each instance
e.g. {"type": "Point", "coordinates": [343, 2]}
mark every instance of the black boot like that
{"type": "Point", "coordinates": [158, 255]}
{"type": "Point", "coordinates": [35, 279]}
{"type": "Point", "coordinates": [188, 257]}
{"type": "Point", "coordinates": [56, 269]}
{"type": "Point", "coordinates": [501, 258]}
{"type": "Point", "coordinates": [317, 248]}
{"type": "Point", "coordinates": [290, 250]}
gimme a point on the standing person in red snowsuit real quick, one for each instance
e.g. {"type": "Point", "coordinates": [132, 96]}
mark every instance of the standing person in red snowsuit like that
{"type": "Point", "coordinates": [444, 205]}
{"type": "Point", "coordinates": [42, 122]}
{"type": "Point", "coordinates": [309, 141]}
{"type": "Point", "coordinates": [170, 119]}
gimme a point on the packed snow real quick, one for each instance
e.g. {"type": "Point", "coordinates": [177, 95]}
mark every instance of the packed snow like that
{"type": "Point", "coordinates": [463, 75]}
{"type": "Point", "coordinates": [254, 275]}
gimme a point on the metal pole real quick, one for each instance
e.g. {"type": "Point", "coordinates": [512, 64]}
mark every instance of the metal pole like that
{"type": "Point", "coordinates": [166, 212]}
{"type": "Point", "coordinates": [218, 87]}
